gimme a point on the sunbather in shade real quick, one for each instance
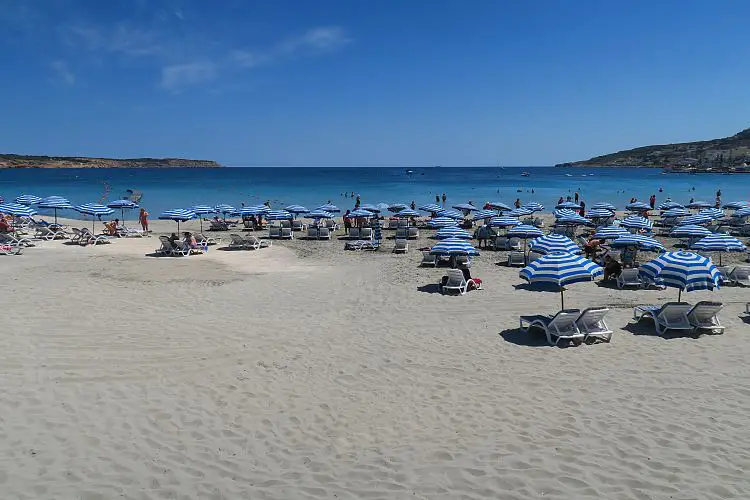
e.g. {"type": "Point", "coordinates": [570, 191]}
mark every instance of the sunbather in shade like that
{"type": "Point", "coordinates": [612, 268]}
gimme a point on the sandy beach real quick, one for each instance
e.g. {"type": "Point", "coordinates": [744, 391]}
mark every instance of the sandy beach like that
{"type": "Point", "coordinates": [306, 371]}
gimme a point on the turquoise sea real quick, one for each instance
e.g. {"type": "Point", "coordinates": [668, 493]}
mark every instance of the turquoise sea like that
{"type": "Point", "coordinates": [312, 186]}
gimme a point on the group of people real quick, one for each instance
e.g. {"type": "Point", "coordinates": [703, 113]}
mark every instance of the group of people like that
{"type": "Point", "coordinates": [188, 243]}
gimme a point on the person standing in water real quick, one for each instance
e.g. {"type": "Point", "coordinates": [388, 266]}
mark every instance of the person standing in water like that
{"type": "Point", "coordinates": [444, 198]}
{"type": "Point", "coordinates": [437, 199]}
{"type": "Point", "coordinates": [413, 205]}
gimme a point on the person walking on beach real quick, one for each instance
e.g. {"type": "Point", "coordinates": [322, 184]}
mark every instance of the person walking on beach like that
{"type": "Point", "coordinates": [347, 222]}
{"type": "Point", "coordinates": [143, 219]}
{"type": "Point", "coordinates": [582, 210]}
{"type": "Point", "coordinates": [652, 201]}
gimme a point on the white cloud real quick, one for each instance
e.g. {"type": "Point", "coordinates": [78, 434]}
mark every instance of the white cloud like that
{"type": "Point", "coordinates": [63, 72]}
{"type": "Point", "coordinates": [314, 41]}
{"type": "Point", "coordinates": [122, 38]}
{"type": "Point", "coordinates": [176, 76]}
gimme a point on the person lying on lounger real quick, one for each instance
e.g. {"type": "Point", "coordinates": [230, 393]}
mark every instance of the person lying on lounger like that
{"type": "Point", "coordinates": [612, 268]}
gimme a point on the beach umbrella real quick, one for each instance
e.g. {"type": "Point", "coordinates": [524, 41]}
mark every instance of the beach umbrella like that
{"type": "Point", "coordinates": [499, 206]}
{"type": "Point", "coordinates": [699, 204]}
{"type": "Point", "coordinates": [520, 212]}
{"type": "Point", "coordinates": [603, 205]}
{"type": "Point", "coordinates": [533, 206]}
{"type": "Point", "coordinates": [638, 241]}
{"type": "Point", "coordinates": [93, 209]}
{"type": "Point", "coordinates": [572, 220]}
{"type": "Point", "coordinates": [669, 205]}
{"type": "Point", "coordinates": [638, 206]}
{"type": "Point", "coordinates": [296, 209]}
{"type": "Point", "coordinates": [676, 212]}
{"type": "Point", "coordinates": [55, 203]}
{"type": "Point", "coordinates": [504, 221]}
{"type": "Point", "coordinates": [742, 212]}
{"type": "Point", "coordinates": [452, 232]}
{"type": "Point", "coordinates": [430, 207]}
{"type": "Point", "coordinates": [561, 269]}
{"type": "Point", "coordinates": [453, 214]}
{"type": "Point", "coordinates": [695, 219]}
{"type": "Point", "coordinates": [17, 209]}
{"type": "Point", "coordinates": [600, 213]}
{"type": "Point", "coordinates": [225, 209]}
{"type": "Point", "coordinates": [28, 199]}
{"type": "Point", "coordinates": [319, 214]}
{"type": "Point", "coordinates": [329, 208]}
{"type": "Point", "coordinates": [637, 222]}
{"type": "Point", "coordinates": [554, 243]}
{"type": "Point", "coordinates": [465, 206]}
{"type": "Point", "coordinates": [178, 215]}
{"type": "Point", "coordinates": [377, 233]}
{"type": "Point", "coordinates": [563, 212]}
{"type": "Point", "coordinates": [201, 210]}
{"type": "Point", "coordinates": [732, 205]}
{"type": "Point", "coordinates": [685, 271]}
{"type": "Point", "coordinates": [123, 205]}
{"type": "Point", "coordinates": [361, 214]}
{"type": "Point", "coordinates": [524, 231]}
{"type": "Point", "coordinates": [278, 215]}
{"type": "Point", "coordinates": [396, 207]}
{"type": "Point", "coordinates": [439, 222]}
{"type": "Point", "coordinates": [568, 204]}
{"type": "Point", "coordinates": [714, 213]}
{"type": "Point", "coordinates": [453, 246]}
{"type": "Point", "coordinates": [370, 208]}
{"type": "Point", "coordinates": [483, 214]}
{"type": "Point", "coordinates": [610, 232]}
{"type": "Point", "coordinates": [719, 243]}
{"type": "Point", "coordinates": [2, 200]}
{"type": "Point", "coordinates": [406, 212]}
{"type": "Point", "coordinates": [689, 231]}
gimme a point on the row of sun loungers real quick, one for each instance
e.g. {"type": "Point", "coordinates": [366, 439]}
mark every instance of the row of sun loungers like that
{"type": "Point", "coordinates": [682, 316]}
{"type": "Point", "coordinates": [250, 243]}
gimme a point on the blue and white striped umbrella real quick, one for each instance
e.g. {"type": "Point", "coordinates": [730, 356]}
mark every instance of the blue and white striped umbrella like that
{"type": "Point", "coordinates": [406, 212]}
{"type": "Point", "coordinates": [669, 205]}
{"type": "Point", "coordinates": [296, 209]}
{"type": "Point", "coordinates": [638, 241]}
{"type": "Point", "coordinates": [610, 232]}
{"type": "Point", "coordinates": [689, 231]}
{"type": "Point", "coordinates": [93, 209]}
{"type": "Point", "coordinates": [554, 243]}
{"type": "Point", "coordinates": [504, 221]}
{"type": "Point", "coordinates": [28, 199]}
{"type": "Point", "coordinates": [560, 269]}
{"type": "Point", "coordinates": [637, 222]}
{"type": "Point", "coordinates": [17, 209]}
{"type": "Point", "coordinates": [714, 213]}
{"type": "Point", "coordinates": [520, 212]}
{"type": "Point", "coordinates": [533, 206]}
{"type": "Point", "coordinates": [430, 207]}
{"type": "Point", "coordinates": [600, 213]}
{"type": "Point", "coordinates": [699, 204]}
{"type": "Point", "coordinates": [742, 212]}
{"type": "Point", "coordinates": [319, 214]}
{"type": "Point", "coordinates": [203, 209]}
{"type": "Point", "coordinates": [370, 208]}
{"type": "Point", "coordinates": [361, 214]}
{"type": "Point", "coordinates": [563, 212]}
{"type": "Point", "coordinates": [568, 204]}
{"type": "Point", "coordinates": [329, 208]}
{"type": "Point", "coordinates": [676, 212]}
{"type": "Point", "coordinates": [736, 205]}
{"type": "Point", "coordinates": [499, 206]}
{"type": "Point", "coordinates": [695, 219]}
{"type": "Point", "coordinates": [452, 232]}
{"type": "Point", "coordinates": [453, 246]}
{"type": "Point", "coordinates": [122, 204]}
{"type": "Point", "coordinates": [638, 206]}
{"type": "Point", "coordinates": [225, 209]}
{"type": "Point", "coordinates": [686, 271]}
{"type": "Point", "coordinates": [254, 210]}
{"type": "Point", "coordinates": [453, 214]}
{"type": "Point", "coordinates": [572, 220]}
{"type": "Point", "coordinates": [719, 243]}
{"type": "Point", "coordinates": [438, 222]}
{"type": "Point", "coordinates": [603, 205]}
{"type": "Point", "coordinates": [483, 214]}
{"type": "Point", "coordinates": [465, 206]}
{"type": "Point", "coordinates": [55, 203]}
{"type": "Point", "coordinates": [524, 231]}
{"type": "Point", "coordinates": [377, 233]}
{"type": "Point", "coordinates": [278, 215]}
{"type": "Point", "coordinates": [396, 207]}
{"type": "Point", "coordinates": [178, 215]}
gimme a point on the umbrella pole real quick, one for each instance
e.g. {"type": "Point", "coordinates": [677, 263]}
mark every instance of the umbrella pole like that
{"type": "Point", "coordinates": [201, 219]}
{"type": "Point", "coordinates": [55, 216]}
{"type": "Point", "coordinates": [178, 228]}
{"type": "Point", "coordinates": [720, 258]}
{"type": "Point", "coordinates": [679, 295]}
{"type": "Point", "coordinates": [562, 298]}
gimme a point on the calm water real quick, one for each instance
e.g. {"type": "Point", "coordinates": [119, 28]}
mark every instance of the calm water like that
{"type": "Point", "coordinates": [178, 188]}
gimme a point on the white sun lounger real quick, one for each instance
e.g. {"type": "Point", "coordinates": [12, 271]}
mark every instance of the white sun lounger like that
{"type": "Point", "coordinates": [401, 246]}
{"type": "Point", "coordinates": [8, 249]}
{"type": "Point", "coordinates": [629, 277]}
{"type": "Point", "coordinates": [312, 233]}
{"type": "Point", "coordinates": [402, 233]}
{"type": "Point", "coordinates": [561, 326]}
{"type": "Point", "coordinates": [413, 233]}
{"type": "Point", "coordinates": [740, 275]}
{"type": "Point", "coordinates": [286, 233]}
{"type": "Point", "coordinates": [670, 316]}
{"type": "Point", "coordinates": [9, 239]}
{"type": "Point", "coordinates": [591, 324]}
{"type": "Point", "coordinates": [456, 281]}
{"type": "Point", "coordinates": [703, 316]}
{"type": "Point", "coordinates": [516, 259]}
{"type": "Point", "coordinates": [324, 233]}
{"type": "Point", "coordinates": [89, 238]}
{"type": "Point", "coordinates": [365, 233]}
{"type": "Point", "coordinates": [49, 233]}
{"type": "Point", "coordinates": [428, 259]}
{"type": "Point", "coordinates": [353, 233]}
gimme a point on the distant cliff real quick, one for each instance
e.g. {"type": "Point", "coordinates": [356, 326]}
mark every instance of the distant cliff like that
{"type": "Point", "coordinates": [25, 161]}
{"type": "Point", "coordinates": [717, 154]}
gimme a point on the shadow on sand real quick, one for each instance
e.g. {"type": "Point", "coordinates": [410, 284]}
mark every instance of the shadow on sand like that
{"type": "Point", "coordinates": [532, 338]}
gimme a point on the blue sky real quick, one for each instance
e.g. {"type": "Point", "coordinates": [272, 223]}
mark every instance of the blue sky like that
{"type": "Point", "coordinates": [353, 82]}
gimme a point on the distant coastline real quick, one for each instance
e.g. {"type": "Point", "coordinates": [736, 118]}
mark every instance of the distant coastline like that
{"type": "Point", "coordinates": [8, 161]}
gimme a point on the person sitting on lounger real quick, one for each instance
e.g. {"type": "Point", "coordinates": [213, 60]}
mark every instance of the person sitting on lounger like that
{"type": "Point", "coordinates": [612, 268]}
{"type": "Point", "coordinates": [111, 227]}
{"type": "Point", "coordinates": [591, 248]}
{"type": "Point", "coordinates": [173, 239]}
{"type": "Point", "coordinates": [5, 226]}
{"type": "Point", "coordinates": [474, 283]}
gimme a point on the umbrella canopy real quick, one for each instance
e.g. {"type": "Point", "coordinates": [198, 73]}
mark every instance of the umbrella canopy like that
{"type": "Point", "coordinates": [483, 214]}
{"type": "Point", "coordinates": [254, 210]}
{"type": "Point", "coordinates": [719, 243]}
{"type": "Point", "coordinates": [178, 215]}
{"type": "Point", "coordinates": [453, 214]}
{"type": "Point", "coordinates": [699, 204]}
{"type": "Point", "coordinates": [55, 203]}
{"type": "Point", "coordinates": [504, 221]}
{"type": "Point", "coordinates": [396, 207]}
{"type": "Point", "coordinates": [695, 219]}
{"type": "Point", "coordinates": [498, 205]}
{"type": "Point", "coordinates": [742, 212]}
{"type": "Point", "coordinates": [685, 271]}
{"type": "Point", "coordinates": [296, 209]}
{"type": "Point", "coordinates": [452, 232]}
{"type": "Point", "coordinates": [669, 205]}
{"type": "Point", "coordinates": [438, 222]}
{"type": "Point", "coordinates": [533, 206]}
{"type": "Point", "coordinates": [406, 212]}
{"type": "Point", "coordinates": [28, 199]}
{"type": "Point", "coordinates": [17, 209]}
{"type": "Point", "coordinates": [93, 209]}
{"type": "Point", "coordinates": [600, 213]}
{"type": "Point", "coordinates": [638, 241]}
{"type": "Point", "coordinates": [638, 206]}
{"type": "Point", "coordinates": [676, 212]}
{"type": "Point", "coordinates": [572, 220]}
{"type": "Point", "coordinates": [278, 215]}
{"type": "Point", "coordinates": [430, 207]}
{"type": "Point", "coordinates": [520, 212]}
{"type": "Point", "coordinates": [568, 204]}
{"type": "Point", "coordinates": [319, 214]}
{"type": "Point", "coordinates": [610, 232]}
{"type": "Point", "coordinates": [714, 213]}
{"type": "Point", "coordinates": [225, 209]}
{"type": "Point", "coordinates": [689, 231]}
{"type": "Point", "coordinates": [732, 205]}
{"type": "Point", "coordinates": [453, 246]}
{"type": "Point", "coordinates": [524, 231]}
{"type": "Point", "coordinates": [552, 243]}
{"type": "Point", "coordinates": [370, 208]}
{"type": "Point", "coordinates": [361, 214]}
{"type": "Point", "coordinates": [560, 269]}
{"type": "Point", "coordinates": [563, 212]}
{"type": "Point", "coordinates": [603, 205]}
{"type": "Point", "coordinates": [465, 206]}
{"type": "Point", "coordinates": [202, 210]}
{"type": "Point", "coordinates": [329, 208]}
{"type": "Point", "coordinates": [637, 222]}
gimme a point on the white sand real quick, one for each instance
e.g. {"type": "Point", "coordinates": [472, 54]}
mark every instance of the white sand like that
{"type": "Point", "coordinates": [303, 371]}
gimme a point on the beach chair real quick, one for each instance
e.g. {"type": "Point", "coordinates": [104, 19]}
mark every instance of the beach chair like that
{"type": "Point", "coordinates": [50, 233]}
{"type": "Point", "coordinates": [403, 223]}
{"type": "Point", "coordinates": [365, 233]}
{"type": "Point", "coordinates": [456, 281]}
{"type": "Point", "coordinates": [166, 246]}
{"type": "Point", "coordinates": [561, 326]}
{"type": "Point", "coordinates": [591, 324]}
{"type": "Point", "coordinates": [353, 233]}
{"type": "Point", "coordinates": [208, 240]}
{"type": "Point", "coordinates": [89, 238]}
{"type": "Point", "coordinates": [725, 272]}
{"type": "Point", "coordinates": [217, 225]}
{"type": "Point", "coordinates": [413, 233]}
{"type": "Point", "coordinates": [286, 224]}
{"type": "Point", "coordinates": [237, 242]}
{"type": "Point", "coordinates": [297, 225]}
{"type": "Point", "coordinates": [740, 275]}
{"type": "Point", "coordinates": [516, 259]}
{"type": "Point", "coordinates": [627, 257]}
{"type": "Point", "coordinates": [463, 260]}
{"type": "Point", "coordinates": [402, 233]}
{"type": "Point", "coordinates": [131, 232]}
{"type": "Point", "coordinates": [670, 316]}
{"type": "Point", "coordinates": [393, 224]}
{"type": "Point", "coordinates": [180, 249]}
{"type": "Point", "coordinates": [401, 246]}
{"type": "Point", "coordinates": [629, 277]}
{"type": "Point", "coordinates": [331, 225]}
{"type": "Point", "coordinates": [355, 245]}
{"type": "Point", "coordinates": [703, 316]}
{"type": "Point", "coordinates": [514, 244]}
{"type": "Point", "coordinates": [500, 243]}
{"type": "Point", "coordinates": [534, 256]}
{"type": "Point", "coordinates": [286, 233]}
{"type": "Point", "coordinates": [428, 259]}
{"type": "Point", "coordinates": [256, 243]}
{"type": "Point", "coordinates": [274, 232]}
{"type": "Point", "coordinates": [9, 239]}
{"type": "Point", "coordinates": [324, 233]}
{"type": "Point", "coordinates": [312, 233]}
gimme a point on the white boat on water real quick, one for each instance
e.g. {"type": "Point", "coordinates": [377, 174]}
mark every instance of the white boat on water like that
{"type": "Point", "coordinates": [525, 174]}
